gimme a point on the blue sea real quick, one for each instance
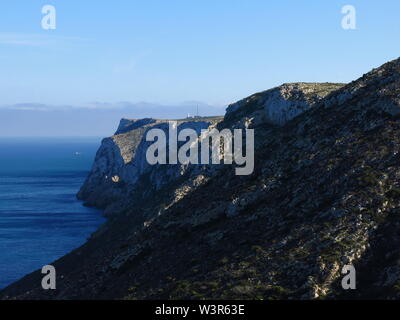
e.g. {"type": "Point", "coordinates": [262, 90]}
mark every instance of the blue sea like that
{"type": "Point", "coordinates": [40, 218]}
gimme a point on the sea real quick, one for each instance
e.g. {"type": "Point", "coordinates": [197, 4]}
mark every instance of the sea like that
{"type": "Point", "coordinates": [40, 218]}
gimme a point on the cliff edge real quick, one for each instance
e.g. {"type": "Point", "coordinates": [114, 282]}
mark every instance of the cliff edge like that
{"type": "Point", "coordinates": [325, 193]}
{"type": "Point", "coordinates": [116, 180]}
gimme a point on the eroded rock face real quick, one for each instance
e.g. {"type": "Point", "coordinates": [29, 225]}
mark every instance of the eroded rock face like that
{"type": "Point", "coordinates": [121, 162]}
{"type": "Point", "coordinates": [281, 104]}
{"type": "Point", "coordinates": [325, 193]}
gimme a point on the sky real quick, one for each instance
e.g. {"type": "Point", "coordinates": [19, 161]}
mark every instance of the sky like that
{"type": "Point", "coordinates": [176, 53]}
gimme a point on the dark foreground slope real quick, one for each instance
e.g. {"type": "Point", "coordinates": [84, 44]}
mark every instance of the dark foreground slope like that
{"type": "Point", "coordinates": [325, 193]}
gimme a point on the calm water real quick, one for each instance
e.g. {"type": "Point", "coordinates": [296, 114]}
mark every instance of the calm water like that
{"type": "Point", "coordinates": [40, 218]}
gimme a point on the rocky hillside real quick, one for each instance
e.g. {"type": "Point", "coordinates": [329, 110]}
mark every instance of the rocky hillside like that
{"type": "Point", "coordinates": [325, 193]}
{"type": "Point", "coordinates": [120, 170]}
{"type": "Point", "coordinates": [121, 176]}
{"type": "Point", "coordinates": [280, 104]}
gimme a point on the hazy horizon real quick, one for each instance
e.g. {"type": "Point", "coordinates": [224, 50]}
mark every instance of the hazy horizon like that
{"type": "Point", "coordinates": [134, 59]}
{"type": "Point", "coordinates": [66, 121]}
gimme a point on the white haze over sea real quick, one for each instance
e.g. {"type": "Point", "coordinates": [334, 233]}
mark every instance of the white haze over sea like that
{"type": "Point", "coordinates": [95, 119]}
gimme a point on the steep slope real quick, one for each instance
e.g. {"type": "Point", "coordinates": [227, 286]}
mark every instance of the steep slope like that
{"type": "Point", "coordinates": [281, 104]}
{"type": "Point", "coordinates": [113, 183]}
{"type": "Point", "coordinates": [117, 178]}
{"type": "Point", "coordinates": [325, 193]}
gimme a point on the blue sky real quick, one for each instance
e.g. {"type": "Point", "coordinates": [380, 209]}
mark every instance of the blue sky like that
{"type": "Point", "coordinates": [168, 52]}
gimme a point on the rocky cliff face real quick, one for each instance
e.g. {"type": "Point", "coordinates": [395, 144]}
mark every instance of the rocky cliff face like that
{"type": "Point", "coordinates": [115, 181]}
{"type": "Point", "coordinates": [325, 193]}
{"type": "Point", "coordinates": [281, 104]}
{"type": "Point", "coordinates": [117, 177]}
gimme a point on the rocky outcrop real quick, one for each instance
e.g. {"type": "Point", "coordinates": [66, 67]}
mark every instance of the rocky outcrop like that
{"type": "Point", "coordinates": [325, 193]}
{"type": "Point", "coordinates": [281, 104]}
{"type": "Point", "coordinates": [120, 163]}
